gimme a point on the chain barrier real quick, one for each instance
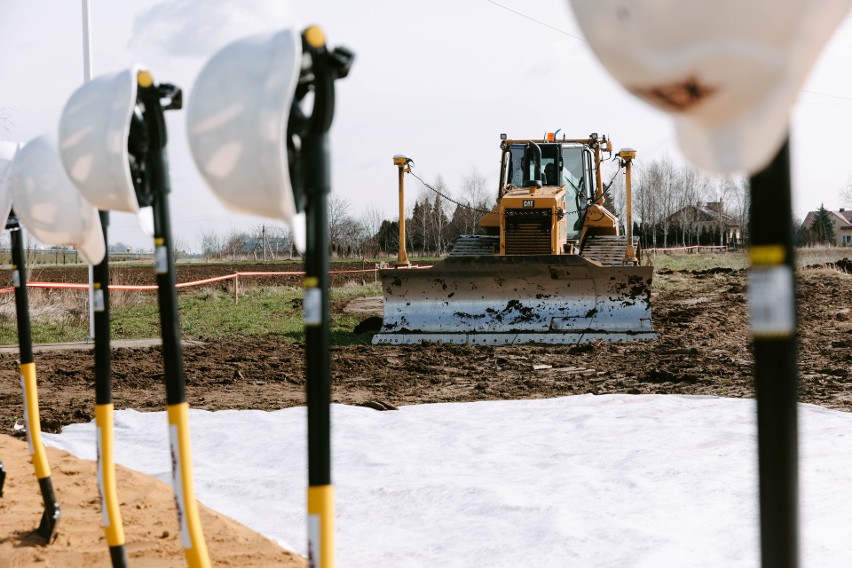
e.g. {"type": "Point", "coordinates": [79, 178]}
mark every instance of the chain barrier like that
{"type": "Point", "coordinates": [448, 198]}
{"type": "Point", "coordinates": [576, 189]}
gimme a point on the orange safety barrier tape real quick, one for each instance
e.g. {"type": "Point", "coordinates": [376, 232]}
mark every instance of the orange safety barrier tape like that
{"type": "Point", "coordinates": [76, 286]}
{"type": "Point", "coordinates": [723, 247]}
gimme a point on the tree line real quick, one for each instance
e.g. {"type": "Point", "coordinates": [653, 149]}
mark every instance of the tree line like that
{"type": "Point", "coordinates": [670, 209]}
{"type": "Point", "coordinates": [432, 224]}
{"type": "Point", "coordinates": [671, 204]}
{"type": "Point", "coordinates": [666, 197]}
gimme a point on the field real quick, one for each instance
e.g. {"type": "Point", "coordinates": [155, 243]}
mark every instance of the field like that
{"type": "Point", "coordinates": [249, 355]}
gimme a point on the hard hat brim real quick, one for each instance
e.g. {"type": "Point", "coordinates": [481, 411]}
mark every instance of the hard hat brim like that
{"type": "Point", "coordinates": [7, 154]}
{"type": "Point", "coordinates": [729, 83]}
{"type": "Point", "coordinates": [237, 123]}
{"type": "Point", "coordinates": [93, 134]}
{"type": "Point", "coordinates": [49, 206]}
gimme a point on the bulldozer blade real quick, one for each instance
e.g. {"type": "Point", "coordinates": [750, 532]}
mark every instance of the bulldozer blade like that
{"type": "Point", "coordinates": [504, 300]}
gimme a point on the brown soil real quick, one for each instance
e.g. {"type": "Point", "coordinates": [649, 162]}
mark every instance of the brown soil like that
{"type": "Point", "coordinates": [148, 517]}
{"type": "Point", "coordinates": [704, 348]}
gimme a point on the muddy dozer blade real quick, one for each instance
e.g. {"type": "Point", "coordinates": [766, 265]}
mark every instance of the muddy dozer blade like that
{"type": "Point", "coordinates": [515, 300]}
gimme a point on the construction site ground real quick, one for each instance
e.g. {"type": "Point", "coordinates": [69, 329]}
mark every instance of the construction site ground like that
{"type": "Point", "coordinates": [703, 349]}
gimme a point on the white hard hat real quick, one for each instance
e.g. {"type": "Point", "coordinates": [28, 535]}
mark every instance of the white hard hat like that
{"type": "Point", "coordinates": [729, 71]}
{"type": "Point", "coordinates": [7, 152]}
{"type": "Point", "coordinates": [237, 124]}
{"type": "Point", "coordinates": [93, 133]}
{"type": "Point", "coordinates": [47, 203]}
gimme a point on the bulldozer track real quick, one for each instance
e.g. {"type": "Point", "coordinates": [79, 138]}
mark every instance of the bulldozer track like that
{"type": "Point", "coordinates": [607, 250]}
{"type": "Point", "coordinates": [475, 245]}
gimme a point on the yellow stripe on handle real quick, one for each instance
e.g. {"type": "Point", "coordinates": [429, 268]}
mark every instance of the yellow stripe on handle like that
{"type": "Point", "coordinates": [111, 515]}
{"type": "Point", "coordinates": [767, 255]}
{"type": "Point", "coordinates": [321, 526]}
{"type": "Point", "coordinates": [31, 416]}
{"type": "Point", "coordinates": [192, 538]}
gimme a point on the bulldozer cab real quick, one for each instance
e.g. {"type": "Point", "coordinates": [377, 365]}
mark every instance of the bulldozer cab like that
{"type": "Point", "coordinates": [569, 166]}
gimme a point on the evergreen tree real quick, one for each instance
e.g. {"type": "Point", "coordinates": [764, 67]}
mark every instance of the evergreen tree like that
{"type": "Point", "coordinates": [823, 227]}
{"type": "Point", "coordinates": [388, 237]}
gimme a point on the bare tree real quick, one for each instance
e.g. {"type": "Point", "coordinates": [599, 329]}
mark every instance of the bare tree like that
{"type": "Point", "coordinates": [736, 203]}
{"type": "Point", "coordinates": [339, 220]}
{"type": "Point", "coordinates": [439, 225]}
{"type": "Point", "coordinates": [846, 194]}
{"type": "Point", "coordinates": [666, 197]}
{"type": "Point", "coordinates": [420, 224]}
{"type": "Point", "coordinates": [5, 121]}
{"type": "Point", "coordinates": [475, 194]}
{"type": "Point", "coordinates": [212, 244]}
{"type": "Point", "coordinates": [693, 187]}
{"type": "Point", "coordinates": [235, 243]}
{"type": "Point", "coordinates": [646, 196]}
{"type": "Point", "coordinates": [371, 220]}
{"type": "Point", "coordinates": [429, 217]}
{"type": "Point", "coordinates": [180, 247]}
{"type": "Point", "coordinates": [279, 241]}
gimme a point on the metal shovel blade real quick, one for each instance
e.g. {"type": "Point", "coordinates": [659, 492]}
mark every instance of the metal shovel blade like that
{"type": "Point", "coordinates": [493, 300]}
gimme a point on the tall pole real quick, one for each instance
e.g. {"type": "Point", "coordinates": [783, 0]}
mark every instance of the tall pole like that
{"type": "Point", "coordinates": [87, 41]}
{"type": "Point", "coordinates": [627, 155]}
{"type": "Point", "coordinates": [87, 76]}
{"type": "Point", "coordinates": [772, 305]}
{"type": "Point", "coordinates": [401, 162]}
{"type": "Point", "coordinates": [99, 331]}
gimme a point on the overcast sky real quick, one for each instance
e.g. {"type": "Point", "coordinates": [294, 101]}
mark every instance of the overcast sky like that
{"type": "Point", "coordinates": [438, 81]}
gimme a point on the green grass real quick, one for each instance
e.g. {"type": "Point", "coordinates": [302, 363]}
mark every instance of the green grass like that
{"type": "Point", "coordinates": [739, 260]}
{"type": "Point", "coordinates": [45, 332]}
{"type": "Point", "coordinates": [696, 261]}
{"type": "Point", "coordinates": [262, 311]}
{"type": "Point", "coordinates": [205, 314]}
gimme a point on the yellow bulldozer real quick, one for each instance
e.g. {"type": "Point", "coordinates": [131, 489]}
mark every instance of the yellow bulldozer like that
{"type": "Point", "coordinates": [551, 267]}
